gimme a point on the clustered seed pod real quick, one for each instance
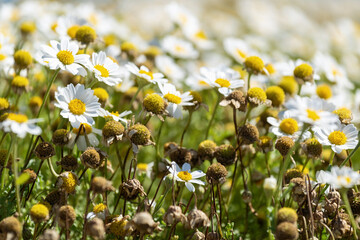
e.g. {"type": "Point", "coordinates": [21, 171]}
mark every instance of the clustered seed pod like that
{"type": "Point", "coordinates": [225, 154]}
{"type": "Point", "coordinates": [139, 134]}
{"type": "Point", "coordinates": [206, 150]}
{"type": "Point", "coordinates": [44, 150]}
{"type": "Point", "coordinates": [100, 185]}
{"type": "Point", "coordinates": [174, 215]}
{"type": "Point", "coordinates": [68, 163]}
{"type": "Point", "coordinates": [67, 216]}
{"type": "Point", "coordinates": [197, 219]}
{"type": "Point", "coordinates": [144, 223]}
{"type": "Point", "coordinates": [284, 144]}
{"type": "Point", "coordinates": [95, 228]}
{"type": "Point", "coordinates": [235, 99]}
{"type": "Point", "coordinates": [216, 173]}
{"type": "Point", "coordinates": [248, 134]}
{"type": "Point", "coordinates": [112, 132]}
{"type": "Point", "coordinates": [54, 197]}
{"type": "Point", "coordinates": [131, 189]}
{"type": "Point", "coordinates": [91, 158]}
{"type": "Point", "coordinates": [61, 137]}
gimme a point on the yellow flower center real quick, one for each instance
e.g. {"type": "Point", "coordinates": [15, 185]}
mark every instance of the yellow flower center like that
{"type": "Point", "coordinates": [77, 106]}
{"type": "Point", "coordinates": [257, 93]}
{"type": "Point", "coordinates": [17, 117]}
{"type": "Point", "coordinates": [172, 98]}
{"type": "Point", "coordinates": [102, 94]}
{"type": "Point", "coordinates": [303, 70]}
{"type": "Point", "coordinates": [142, 167]}
{"type": "Point", "coordinates": [312, 115]}
{"type": "Point", "coordinates": [66, 57]}
{"type": "Point", "coordinates": [4, 104]}
{"type": "Point", "coordinates": [71, 32]}
{"type": "Point", "coordinates": [241, 53]}
{"type": "Point", "coordinates": [201, 82]}
{"type": "Point", "coordinates": [20, 81]}
{"type": "Point", "coordinates": [254, 64]}
{"type": "Point", "coordinates": [222, 82]}
{"type": "Point", "coordinates": [343, 113]}
{"type": "Point", "coordinates": [2, 57]}
{"type": "Point", "coordinates": [201, 35]}
{"type": "Point", "coordinates": [127, 46]}
{"type": "Point", "coordinates": [337, 138]}
{"type": "Point", "coordinates": [347, 179]}
{"type": "Point", "coordinates": [69, 182]}
{"type": "Point", "coordinates": [185, 175]}
{"type": "Point", "coordinates": [289, 126]}
{"type": "Point", "coordinates": [270, 68]}
{"type": "Point", "coordinates": [87, 127]}
{"type": "Point", "coordinates": [179, 48]}
{"type": "Point", "coordinates": [150, 74]}
{"type": "Point", "coordinates": [324, 91]}
{"type": "Point", "coordinates": [104, 72]}
{"type": "Point", "coordinates": [336, 72]}
{"type": "Point", "coordinates": [99, 208]}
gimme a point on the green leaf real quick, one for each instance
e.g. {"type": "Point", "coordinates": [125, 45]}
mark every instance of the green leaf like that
{"type": "Point", "coordinates": [23, 178]}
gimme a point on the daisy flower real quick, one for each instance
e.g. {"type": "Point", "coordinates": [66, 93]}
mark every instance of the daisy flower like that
{"type": "Point", "coordinates": [67, 26]}
{"type": "Point", "coordinates": [144, 73]}
{"type": "Point", "coordinates": [78, 104]}
{"type": "Point", "coordinates": [81, 142]}
{"type": "Point", "coordinates": [338, 136]}
{"type": "Point", "coordinates": [287, 125]}
{"type": "Point", "coordinates": [339, 178]}
{"type": "Point", "coordinates": [114, 115]}
{"type": "Point", "coordinates": [63, 55]}
{"type": "Point", "coordinates": [314, 111]}
{"type": "Point", "coordinates": [184, 174]}
{"type": "Point", "coordinates": [179, 48]}
{"type": "Point", "coordinates": [145, 168]}
{"type": "Point", "coordinates": [238, 49]}
{"type": "Point", "coordinates": [196, 35]}
{"type": "Point", "coordinates": [180, 15]}
{"type": "Point", "coordinates": [100, 210]}
{"type": "Point", "coordinates": [224, 79]}
{"type": "Point", "coordinates": [20, 125]}
{"type": "Point", "coordinates": [105, 69]}
{"type": "Point", "coordinates": [168, 66]}
{"type": "Point", "coordinates": [175, 99]}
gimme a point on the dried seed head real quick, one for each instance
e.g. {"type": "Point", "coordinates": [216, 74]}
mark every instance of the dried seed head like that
{"type": "Point", "coordinates": [44, 150]}
{"type": "Point", "coordinates": [95, 228]}
{"type": "Point", "coordinates": [68, 163]}
{"type": "Point", "coordinates": [32, 175]}
{"type": "Point", "coordinates": [131, 189]}
{"type": "Point", "coordinates": [299, 190]}
{"type": "Point", "coordinates": [286, 231]}
{"type": "Point", "coordinates": [304, 73]}
{"type": "Point", "coordinates": [39, 213]}
{"type": "Point", "coordinates": [198, 235]}
{"type": "Point", "coordinates": [265, 143]}
{"type": "Point", "coordinates": [286, 214]}
{"type": "Point", "coordinates": [144, 223]}
{"type": "Point", "coordinates": [284, 144]}
{"type": "Point", "coordinates": [312, 148]}
{"type": "Point", "coordinates": [61, 137]}
{"type": "Point", "coordinates": [206, 150]}
{"type": "Point", "coordinates": [246, 196]}
{"type": "Point", "coordinates": [249, 134]}
{"type": "Point", "coordinates": [101, 185]}
{"type": "Point", "coordinates": [3, 154]}
{"type": "Point", "coordinates": [91, 158]}
{"type": "Point", "coordinates": [112, 132]}
{"type": "Point", "coordinates": [180, 155]}
{"type": "Point", "coordinates": [119, 226]}
{"type": "Point", "coordinates": [66, 216]}
{"type": "Point", "coordinates": [236, 99]}
{"type": "Point", "coordinates": [341, 226]}
{"type": "Point", "coordinates": [53, 197]}
{"type": "Point", "coordinates": [293, 173]}
{"type": "Point", "coordinates": [67, 182]}
{"type": "Point", "coordinates": [225, 154]}
{"type": "Point", "coordinates": [139, 134]}
{"type": "Point", "coordinates": [50, 234]}
{"type": "Point", "coordinates": [85, 34]}
{"type": "Point", "coordinates": [196, 100]}
{"type": "Point", "coordinates": [197, 219]}
{"type": "Point", "coordinates": [11, 225]}
{"type": "Point", "coordinates": [216, 173]}
{"type": "Point", "coordinates": [174, 215]}
{"type": "Point", "coordinates": [155, 104]}
{"type": "Point", "coordinates": [169, 146]}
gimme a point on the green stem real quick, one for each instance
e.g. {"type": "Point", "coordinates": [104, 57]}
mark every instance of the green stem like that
{"type": "Point", "coordinates": [186, 128]}
{"type": "Point", "coordinates": [248, 81]}
{"type": "Point", "coordinates": [136, 94]}
{"type": "Point", "coordinates": [158, 157]}
{"type": "Point", "coordinates": [15, 169]}
{"type": "Point", "coordinates": [331, 158]}
{"type": "Point", "coordinates": [213, 116]}
{"type": "Point", "coordinates": [52, 168]}
{"type": "Point", "coordinates": [4, 172]}
{"type": "Point", "coordinates": [247, 114]}
{"type": "Point", "coordinates": [348, 209]}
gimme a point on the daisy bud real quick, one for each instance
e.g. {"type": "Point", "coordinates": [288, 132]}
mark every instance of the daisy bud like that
{"type": "Point", "coordinates": [11, 226]}
{"type": "Point", "coordinates": [44, 150]}
{"type": "Point", "coordinates": [289, 85]}
{"type": "Point", "coordinates": [61, 137]}
{"type": "Point", "coordinates": [276, 95]}
{"type": "Point", "coordinates": [27, 28]}
{"type": "Point", "coordinates": [4, 104]}
{"type": "Point", "coordinates": [235, 99]}
{"type": "Point", "coordinates": [286, 214]}
{"type": "Point", "coordinates": [66, 216]}
{"type": "Point", "coordinates": [312, 148]}
{"type": "Point", "coordinates": [345, 115]}
{"type": "Point", "coordinates": [20, 84]}
{"type": "Point", "coordinates": [112, 132]}
{"type": "Point", "coordinates": [39, 213]}
{"type": "Point", "coordinates": [155, 104]}
{"type": "Point", "coordinates": [35, 104]}
{"type": "Point", "coordinates": [101, 185]}
{"type": "Point", "coordinates": [197, 219]}
{"type": "Point", "coordinates": [68, 163]}
{"type": "Point", "coordinates": [53, 197]}
{"type": "Point", "coordinates": [131, 189]}
{"type": "Point", "coordinates": [85, 35]}
{"type": "Point", "coordinates": [254, 65]}
{"type": "Point", "coordinates": [144, 223]}
{"type": "Point", "coordinates": [32, 175]}
{"type": "Point", "coordinates": [216, 173]}
{"type": "Point", "coordinates": [284, 144]}
{"type": "Point", "coordinates": [139, 134]}
{"type": "Point", "coordinates": [225, 154]}
{"type": "Point", "coordinates": [293, 173]}
{"type": "Point", "coordinates": [174, 215]}
{"type": "Point", "coordinates": [206, 150]}
{"type": "Point", "coordinates": [95, 228]}
{"type": "Point", "coordinates": [249, 134]}
{"type": "Point", "coordinates": [22, 59]}
{"type": "Point", "coordinates": [304, 73]}
{"type": "Point", "coordinates": [119, 226]}
{"type": "Point", "coordinates": [324, 91]}
{"type": "Point", "coordinates": [3, 154]}
{"type": "Point", "coordinates": [50, 234]}
{"type": "Point", "coordinates": [256, 96]}
{"type": "Point", "coordinates": [102, 94]}
{"type": "Point", "coordinates": [286, 231]}
{"type": "Point", "coordinates": [91, 158]}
